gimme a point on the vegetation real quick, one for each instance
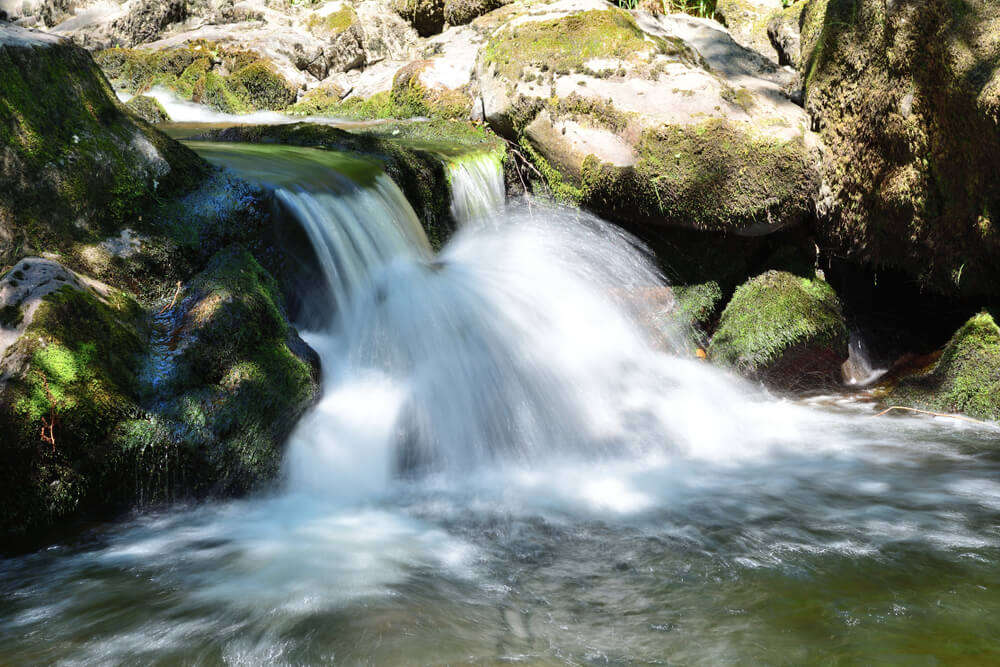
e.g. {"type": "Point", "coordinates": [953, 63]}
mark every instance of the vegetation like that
{"type": "Point", "coordinates": [784, 330]}
{"type": "Point", "coordinates": [702, 8]}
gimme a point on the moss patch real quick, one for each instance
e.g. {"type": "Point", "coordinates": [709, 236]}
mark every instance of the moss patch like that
{"type": "Point", "coordinates": [332, 24]}
{"type": "Point", "coordinates": [965, 379]}
{"type": "Point", "coordinates": [784, 330]}
{"type": "Point", "coordinates": [148, 109]}
{"type": "Point", "coordinates": [566, 44]}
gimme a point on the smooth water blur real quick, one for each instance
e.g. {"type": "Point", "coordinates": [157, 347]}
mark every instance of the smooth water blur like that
{"type": "Point", "coordinates": [502, 469]}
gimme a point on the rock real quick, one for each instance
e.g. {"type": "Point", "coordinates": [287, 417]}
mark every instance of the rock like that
{"type": "Point", "coordinates": [76, 167]}
{"type": "Point", "coordinates": [785, 331]}
{"type": "Point", "coordinates": [460, 12]}
{"type": "Point", "coordinates": [431, 88]}
{"type": "Point", "coordinates": [906, 97]}
{"type": "Point", "coordinates": [748, 22]}
{"type": "Point", "coordinates": [426, 16]}
{"type": "Point", "coordinates": [678, 317]}
{"type": "Point", "coordinates": [149, 109]}
{"type": "Point", "coordinates": [785, 32]}
{"type": "Point", "coordinates": [103, 410]}
{"type": "Point", "coordinates": [965, 379]}
{"type": "Point", "coordinates": [67, 377]}
{"type": "Point", "coordinates": [146, 19]}
{"type": "Point", "coordinates": [649, 120]}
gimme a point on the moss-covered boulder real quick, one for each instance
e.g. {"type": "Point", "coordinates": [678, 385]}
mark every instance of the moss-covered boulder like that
{"type": "Point", "coordinates": [149, 109]}
{"type": "Point", "coordinates": [230, 79]}
{"type": "Point", "coordinates": [966, 377]}
{"type": "Point", "coordinates": [418, 86]}
{"type": "Point", "coordinates": [104, 406]}
{"type": "Point", "coordinates": [224, 383]}
{"type": "Point", "coordinates": [649, 120]}
{"type": "Point", "coordinates": [783, 330]}
{"type": "Point", "coordinates": [75, 166]}
{"type": "Point", "coordinates": [907, 98]}
{"type": "Point", "coordinates": [68, 353]}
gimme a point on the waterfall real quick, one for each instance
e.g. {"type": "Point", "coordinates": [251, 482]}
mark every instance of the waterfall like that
{"type": "Point", "coordinates": [477, 186]}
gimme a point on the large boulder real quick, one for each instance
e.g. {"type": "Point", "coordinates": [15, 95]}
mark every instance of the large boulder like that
{"type": "Point", "coordinates": [426, 16]}
{"type": "Point", "coordinates": [906, 95]}
{"type": "Point", "coordinates": [966, 377]}
{"type": "Point", "coordinates": [785, 331]}
{"type": "Point", "coordinates": [650, 120]}
{"type": "Point", "coordinates": [75, 165]}
{"type": "Point", "coordinates": [103, 407]}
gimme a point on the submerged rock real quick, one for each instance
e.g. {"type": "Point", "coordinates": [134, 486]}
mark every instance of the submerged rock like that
{"type": "Point", "coordinates": [966, 377]}
{"type": "Point", "coordinates": [785, 331]}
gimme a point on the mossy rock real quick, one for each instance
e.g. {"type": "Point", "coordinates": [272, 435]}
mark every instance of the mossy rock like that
{"type": "Point", "coordinates": [68, 379]}
{"type": "Point", "coordinates": [76, 166]}
{"type": "Point", "coordinates": [149, 109]}
{"type": "Point", "coordinates": [409, 91]}
{"type": "Point", "coordinates": [229, 79]}
{"type": "Point", "coordinates": [237, 381]}
{"type": "Point", "coordinates": [332, 24]}
{"type": "Point", "coordinates": [965, 379]}
{"type": "Point", "coordinates": [783, 330]}
{"type": "Point", "coordinates": [712, 176]}
{"type": "Point", "coordinates": [906, 98]}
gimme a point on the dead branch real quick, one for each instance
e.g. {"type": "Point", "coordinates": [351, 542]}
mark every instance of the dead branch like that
{"type": "Point", "coordinates": [48, 434]}
{"type": "Point", "coordinates": [932, 414]}
{"type": "Point", "coordinates": [173, 302]}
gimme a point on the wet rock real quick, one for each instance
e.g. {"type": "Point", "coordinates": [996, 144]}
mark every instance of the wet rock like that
{"type": "Point", "coordinates": [964, 379]}
{"type": "Point", "coordinates": [785, 331]}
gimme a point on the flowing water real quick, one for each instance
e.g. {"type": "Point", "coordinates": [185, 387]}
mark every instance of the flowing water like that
{"type": "Point", "coordinates": [502, 469]}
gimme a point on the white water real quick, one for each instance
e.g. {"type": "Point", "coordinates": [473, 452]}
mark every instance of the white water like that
{"type": "Point", "coordinates": [477, 186]}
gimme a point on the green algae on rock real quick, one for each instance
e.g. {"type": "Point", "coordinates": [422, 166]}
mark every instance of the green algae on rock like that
{"type": "Point", "coordinates": [784, 330]}
{"type": "Point", "coordinates": [965, 379]}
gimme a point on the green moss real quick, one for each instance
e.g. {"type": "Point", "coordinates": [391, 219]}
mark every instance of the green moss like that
{"type": "Point", "coordinates": [258, 86]}
{"type": "Point", "coordinates": [714, 176]}
{"type": "Point", "coordinates": [697, 305]}
{"type": "Point", "coordinates": [568, 43]}
{"type": "Point", "coordinates": [965, 379]}
{"type": "Point", "coordinates": [785, 330]}
{"type": "Point", "coordinates": [332, 24]}
{"type": "Point", "coordinates": [409, 93]}
{"type": "Point", "coordinates": [148, 109]}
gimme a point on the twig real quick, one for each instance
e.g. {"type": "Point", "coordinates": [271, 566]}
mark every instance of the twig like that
{"type": "Point", "coordinates": [48, 425]}
{"type": "Point", "coordinates": [173, 301]}
{"type": "Point", "coordinates": [932, 414]}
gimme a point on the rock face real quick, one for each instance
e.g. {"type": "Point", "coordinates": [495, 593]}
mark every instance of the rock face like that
{"type": "Point", "coordinates": [906, 95]}
{"type": "Point", "coordinates": [147, 18]}
{"type": "Point", "coordinates": [785, 331]}
{"type": "Point", "coordinates": [965, 379]}
{"type": "Point", "coordinates": [650, 120]}
{"type": "Point", "coordinates": [748, 21]}
{"type": "Point", "coordinates": [74, 164]}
